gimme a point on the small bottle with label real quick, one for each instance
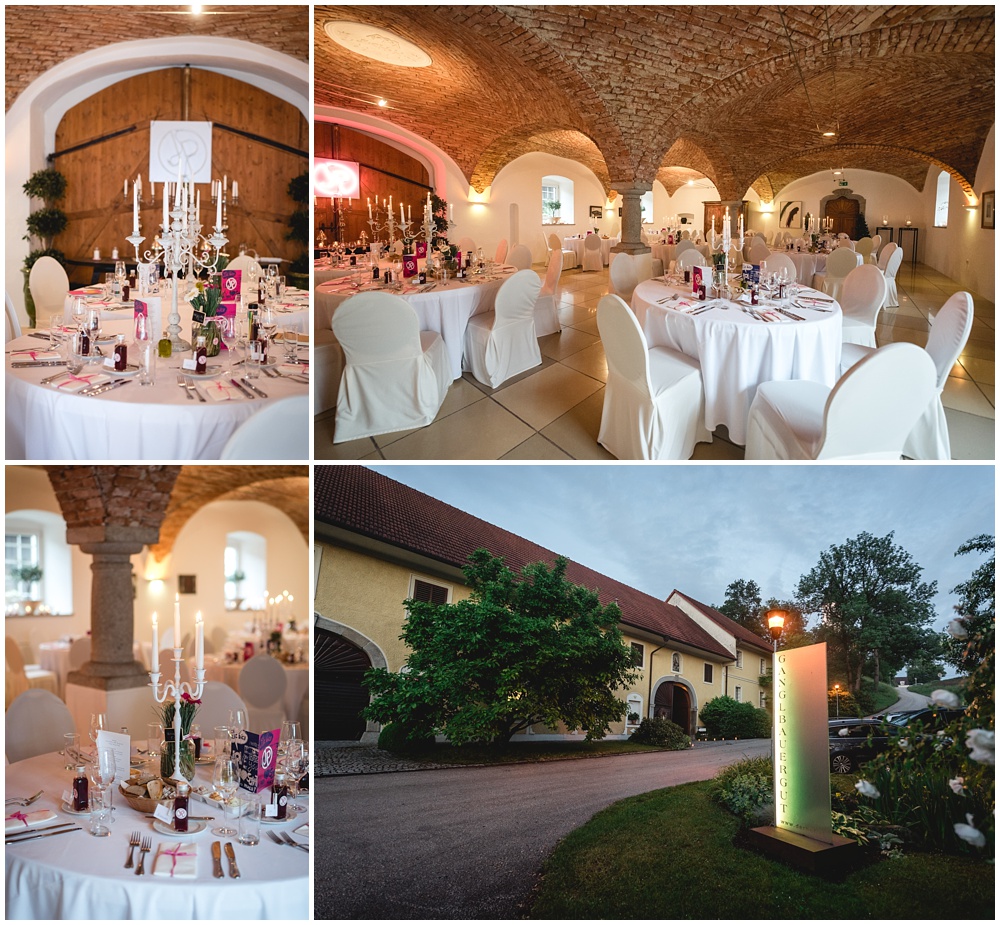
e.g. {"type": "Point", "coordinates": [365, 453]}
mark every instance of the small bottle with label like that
{"type": "Point", "coordinates": [754, 295]}
{"type": "Point", "coordinates": [84, 343]}
{"type": "Point", "coordinates": [81, 790]}
{"type": "Point", "coordinates": [181, 800]}
{"type": "Point", "coordinates": [121, 354]}
{"type": "Point", "coordinates": [200, 355]}
{"type": "Point", "coordinates": [687, 275]}
{"type": "Point", "coordinates": [701, 291]}
{"type": "Point", "coordinates": [164, 348]}
{"type": "Point", "coordinates": [279, 795]}
{"type": "Point", "coordinates": [196, 738]}
{"type": "Point", "coordinates": [125, 290]}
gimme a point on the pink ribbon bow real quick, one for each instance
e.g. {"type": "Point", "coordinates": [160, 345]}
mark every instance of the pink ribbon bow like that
{"type": "Point", "coordinates": [31, 353]}
{"type": "Point", "coordinates": [73, 378]}
{"type": "Point", "coordinates": [223, 389]}
{"type": "Point", "coordinates": [176, 853]}
{"type": "Point", "coordinates": [19, 816]}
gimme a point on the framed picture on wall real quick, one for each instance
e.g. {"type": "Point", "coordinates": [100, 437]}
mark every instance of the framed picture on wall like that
{"type": "Point", "coordinates": [790, 215]}
{"type": "Point", "coordinates": [596, 212]}
{"type": "Point", "coordinates": [988, 204]}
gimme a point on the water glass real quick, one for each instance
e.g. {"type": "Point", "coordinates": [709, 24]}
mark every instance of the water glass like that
{"type": "Point", "coordinates": [249, 823]}
{"type": "Point", "coordinates": [147, 364]}
{"type": "Point", "coordinates": [291, 339]}
{"type": "Point", "coordinates": [71, 750]}
{"type": "Point", "coordinates": [223, 739]}
{"type": "Point", "coordinates": [100, 813]}
{"type": "Point", "coordinates": [279, 286]}
{"type": "Point", "coordinates": [154, 736]}
{"type": "Point", "coordinates": [55, 330]}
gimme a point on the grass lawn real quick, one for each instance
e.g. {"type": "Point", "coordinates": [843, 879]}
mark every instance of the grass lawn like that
{"type": "Point", "coordinates": [928, 689]}
{"type": "Point", "coordinates": [885, 696]}
{"type": "Point", "coordinates": [527, 752]}
{"type": "Point", "coordinates": [670, 854]}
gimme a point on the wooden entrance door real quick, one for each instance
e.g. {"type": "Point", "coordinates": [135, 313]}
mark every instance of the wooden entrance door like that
{"type": "Point", "coordinates": [673, 702]}
{"type": "Point", "coordinates": [338, 669]}
{"type": "Point", "coordinates": [844, 213]}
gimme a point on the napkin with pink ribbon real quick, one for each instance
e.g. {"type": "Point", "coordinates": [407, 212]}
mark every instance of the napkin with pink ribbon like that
{"type": "Point", "coordinates": [294, 369]}
{"type": "Point", "coordinates": [179, 861]}
{"type": "Point", "coordinates": [77, 383]}
{"type": "Point", "coordinates": [21, 820]}
{"type": "Point", "coordinates": [35, 355]}
{"type": "Point", "coordinates": [223, 391]}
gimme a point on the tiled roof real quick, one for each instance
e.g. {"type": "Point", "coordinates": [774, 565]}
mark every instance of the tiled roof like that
{"type": "Point", "coordinates": [747, 637]}
{"type": "Point", "coordinates": [365, 502]}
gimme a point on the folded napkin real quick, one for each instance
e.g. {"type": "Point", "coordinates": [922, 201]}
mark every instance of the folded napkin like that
{"type": "Point", "coordinates": [223, 391]}
{"type": "Point", "coordinates": [293, 369]}
{"type": "Point", "coordinates": [33, 355]}
{"type": "Point", "coordinates": [178, 861]}
{"type": "Point", "coordinates": [21, 820]}
{"type": "Point", "coordinates": [79, 382]}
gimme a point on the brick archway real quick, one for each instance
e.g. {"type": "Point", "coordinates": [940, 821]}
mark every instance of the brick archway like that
{"type": "Point", "coordinates": [675, 699]}
{"type": "Point", "coordinates": [833, 205]}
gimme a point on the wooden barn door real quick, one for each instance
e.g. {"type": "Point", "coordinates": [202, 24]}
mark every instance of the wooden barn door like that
{"type": "Point", "coordinates": [844, 213]}
{"type": "Point", "coordinates": [338, 668]}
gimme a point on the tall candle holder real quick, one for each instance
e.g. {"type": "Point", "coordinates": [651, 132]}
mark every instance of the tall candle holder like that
{"type": "Point", "coordinates": [382, 221]}
{"type": "Point", "coordinates": [723, 245]}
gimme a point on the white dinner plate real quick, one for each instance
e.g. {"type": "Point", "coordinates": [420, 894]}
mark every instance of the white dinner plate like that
{"type": "Point", "coordinates": [213, 372]}
{"type": "Point", "coordinates": [68, 808]}
{"type": "Point", "coordinates": [194, 827]}
{"type": "Point", "coordinates": [270, 820]}
{"type": "Point", "coordinates": [130, 370]}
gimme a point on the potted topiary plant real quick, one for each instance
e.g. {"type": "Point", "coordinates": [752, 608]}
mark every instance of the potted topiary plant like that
{"type": "Point", "coordinates": [27, 576]}
{"type": "Point", "coordinates": [553, 206]}
{"type": "Point", "coordinates": [297, 274]}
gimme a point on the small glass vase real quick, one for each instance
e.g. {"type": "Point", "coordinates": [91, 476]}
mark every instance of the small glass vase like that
{"type": "Point", "coordinates": [209, 329]}
{"type": "Point", "coordinates": [167, 758]}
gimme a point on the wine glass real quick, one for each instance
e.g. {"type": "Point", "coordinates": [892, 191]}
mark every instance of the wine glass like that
{"type": "Point", "coordinates": [102, 776]}
{"type": "Point", "coordinates": [79, 311]}
{"type": "Point", "coordinates": [290, 731]}
{"type": "Point", "coordinates": [237, 721]}
{"type": "Point", "coordinates": [297, 764]}
{"type": "Point", "coordinates": [98, 721]}
{"type": "Point", "coordinates": [225, 779]}
{"type": "Point", "coordinates": [268, 322]}
{"type": "Point", "coordinates": [229, 332]}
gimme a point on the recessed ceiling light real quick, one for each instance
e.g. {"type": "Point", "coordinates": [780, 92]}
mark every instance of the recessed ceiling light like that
{"type": "Point", "coordinates": [829, 134]}
{"type": "Point", "coordinates": [376, 43]}
{"type": "Point", "coordinates": [196, 9]}
{"type": "Point", "coordinates": [837, 173]}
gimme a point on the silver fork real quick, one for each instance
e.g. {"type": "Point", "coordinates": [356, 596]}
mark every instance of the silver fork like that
{"type": "Point", "coordinates": [144, 849]}
{"type": "Point", "coordinates": [183, 385]}
{"type": "Point", "coordinates": [288, 840]}
{"type": "Point", "coordinates": [24, 801]}
{"type": "Point", "coordinates": [133, 841]}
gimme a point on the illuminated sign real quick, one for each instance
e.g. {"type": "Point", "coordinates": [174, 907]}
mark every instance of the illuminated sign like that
{"type": "Point", "coordinates": [802, 743]}
{"type": "Point", "coordinates": [337, 179]}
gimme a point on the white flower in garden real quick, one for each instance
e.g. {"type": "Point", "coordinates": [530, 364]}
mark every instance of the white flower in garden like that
{"type": "Point", "coordinates": [904, 744]}
{"type": "Point", "coordinates": [981, 745]}
{"type": "Point", "coordinates": [956, 629]}
{"type": "Point", "coordinates": [846, 731]}
{"type": "Point", "coordinates": [946, 699]}
{"type": "Point", "coordinates": [970, 833]}
{"type": "Point", "coordinates": [866, 789]}
{"type": "Point", "coordinates": [957, 784]}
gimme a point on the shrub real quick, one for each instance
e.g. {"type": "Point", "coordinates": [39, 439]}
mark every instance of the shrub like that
{"type": "Point", "coordinates": [730, 719]}
{"type": "Point", "coordinates": [746, 789]}
{"type": "Point", "coordinates": [395, 738]}
{"type": "Point", "coordinates": [848, 704]}
{"type": "Point", "coordinates": [47, 184]}
{"type": "Point", "coordinates": [46, 223]}
{"type": "Point", "coordinates": [661, 732]}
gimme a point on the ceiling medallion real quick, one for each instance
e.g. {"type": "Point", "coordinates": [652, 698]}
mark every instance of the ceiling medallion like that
{"type": "Point", "coordinates": [376, 43]}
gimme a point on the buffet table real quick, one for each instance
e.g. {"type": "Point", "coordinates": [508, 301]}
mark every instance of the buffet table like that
{"type": "Point", "coordinates": [77, 876]}
{"type": "Point", "coordinates": [737, 351]}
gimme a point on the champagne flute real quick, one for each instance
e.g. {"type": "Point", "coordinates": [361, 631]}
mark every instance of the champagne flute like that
{"type": "Point", "coordinates": [290, 731]}
{"type": "Point", "coordinates": [225, 779]}
{"type": "Point", "coordinates": [102, 776]}
{"type": "Point", "coordinates": [98, 721]}
{"type": "Point", "coordinates": [297, 763]}
{"type": "Point", "coordinates": [229, 333]}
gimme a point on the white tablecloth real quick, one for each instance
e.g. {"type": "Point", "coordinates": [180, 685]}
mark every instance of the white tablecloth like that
{"type": "Point", "coordinates": [77, 876]}
{"type": "Point", "coordinates": [738, 352]}
{"type": "Point", "coordinates": [668, 252]}
{"type": "Point", "coordinates": [54, 657]}
{"type": "Point", "coordinates": [133, 421]}
{"type": "Point", "coordinates": [446, 309]}
{"type": "Point", "coordinates": [806, 264]}
{"type": "Point", "coordinates": [575, 244]}
{"type": "Point", "coordinates": [296, 675]}
{"type": "Point", "coordinates": [323, 272]}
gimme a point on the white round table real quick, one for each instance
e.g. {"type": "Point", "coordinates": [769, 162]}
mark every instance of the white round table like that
{"type": "Point", "coordinates": [806, 264]}
{"type": "Point", "coordinates": [576, 244]}
{"type": "Point", "coordinates": [736, 351]}
{"type": "Point", "coordinates": [668, 252]}
{"type": "Point", "coordinates": [77, 876]}
{"type": "Point", "coordinates": [296, 676]}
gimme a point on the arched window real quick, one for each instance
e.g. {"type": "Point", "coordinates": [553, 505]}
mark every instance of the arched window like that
{"type": "Point", "coordinates": [35, 542]}
{"type": "Point", "coordinates": [557, 201]}
{"type": "Point", "coordinates": [941, 202]}
{"type": "Point", "coordinates": [646, 205]}
{"type": "Point", "coordinates": [245, 563]}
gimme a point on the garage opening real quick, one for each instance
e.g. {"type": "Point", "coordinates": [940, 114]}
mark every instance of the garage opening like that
{"type": "Point", "coordinates": [339, 667]}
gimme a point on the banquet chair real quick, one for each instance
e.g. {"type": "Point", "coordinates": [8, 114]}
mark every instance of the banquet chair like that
{"type": "Point", "coordinates": [79, 653]}
{"type": "Point", "coordinates": [21, 677]}
{"type": "Point", "coordinates": [838, 265]}
{"type": "Point", "coordinates": [864, 248]}
{"type": "Point", "coordinates": [654, 401]}
{"type": "Point", "coordinates": [546, 312]}
{"type": "Point", "coordinates": [779, 261]}
{"type": "Point", "coordinates": [891, 269]}
{"type": "Point", "coordinates": [568, 255]}
{"type": "Point", "coordinates": [690, 258]}
{"type": "Point", "coordinates": [868, 414]}
{"type": "Point", "coordinates": [500, 344]}
{"type": "Point", "coordinates": [12, 326]}
{"type": "Point", "coordinates": [887, 252]}
{"type": "Point", "coordinates": [467, 246]}
{"type": "Point", "coordinates": [279, 431]}
{"type": "Point", "coordinates": [685, 245]}
{"type": "Point", "coordinates": [845, 243]}
{"type": "Point", "coordinates": [592, 259]}
{"type": "Point", "coordinates": [395, 376]}
{"type": "Point", "coordinates": [501, 255]}
{"type": "Point", "coordinates": [623, 276]}
{"type": "Point", "coordinates": [262, 684]}
{"type": "Point", "coordinates": [759, 252]}
{"type": "Point", "coordinates": [948, 336]}
{"type": "Point", "coordinates": [520, 256]}
{"type": "Point", "coordinates": [303, 716]}
{"type": "Point", "coordinates": [49, 286]}
{"type": "Point", "coordinates": [251, 269]}
{"type": "Point", "coordinates": [861, 299]}
{"type": "Point", "coordinates": [218, 637]}
{"type": "Point", "coordinates": [217, 699]}
{"type": "Point", "coordinates": [35, 724]}
{"type": "Point", "coordinates": [876, 244]}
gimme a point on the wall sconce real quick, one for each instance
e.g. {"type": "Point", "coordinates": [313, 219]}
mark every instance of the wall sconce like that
{"type": "Point", "coordinates": [477, 198]}
{"type": "Point", "coordinates": [970, 206]}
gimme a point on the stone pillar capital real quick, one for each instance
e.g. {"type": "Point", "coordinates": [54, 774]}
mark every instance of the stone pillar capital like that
{"type": "Point", "coordinates": [631, 187]}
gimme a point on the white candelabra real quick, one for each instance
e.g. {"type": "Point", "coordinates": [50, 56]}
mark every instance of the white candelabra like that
{"type": "Point", "coordinates": [724, 243]}
{"type": "Point", "coordinates": [180, 245]}
{"type": "Point", "coordinates": [382, 221]}
{"type": "Point", "coordinates": [176, 687]}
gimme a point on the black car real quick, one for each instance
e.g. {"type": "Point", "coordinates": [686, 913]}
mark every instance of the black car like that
{"type": "Point", "coordinates": [855, 741]}
{"type": "Point", "coordinates": [932, 717]}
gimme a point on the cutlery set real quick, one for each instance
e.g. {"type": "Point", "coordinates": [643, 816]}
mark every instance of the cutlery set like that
{"type": "Point", "coordinates": [23, 801]}
{"type": "Point", "coordinates": [62, 828]}
{"type": "Point", "coordinates": [283, 838]}
{"type": "Point", "coordinates": [191, 389]}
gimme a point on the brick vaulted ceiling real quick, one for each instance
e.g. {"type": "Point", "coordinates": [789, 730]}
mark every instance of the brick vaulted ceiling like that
{"type": "Point", "coordinates": [638, 93]}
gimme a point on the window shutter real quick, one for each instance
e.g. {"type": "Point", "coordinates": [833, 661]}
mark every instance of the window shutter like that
{"type": "Point", "coordinates": [429, 593]}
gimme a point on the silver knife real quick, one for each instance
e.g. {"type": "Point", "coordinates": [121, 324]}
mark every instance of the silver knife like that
{"type": "Point", "coordinates": [217, 859]}
{"type": "Point", "coordinates": [234, 871]}
{"type": "Point", "coordinates": [105, 387]}
{"type": "Point", "coordinates": [17, 833]}
{"type": "Point", "coordinates": [243, 391]}
{"type": "Point", "coordinates": [62, 831]}
{"type": "Point", "coordinates": [32, 364]}
{"type": "Point", "coordinates": [253, 388]}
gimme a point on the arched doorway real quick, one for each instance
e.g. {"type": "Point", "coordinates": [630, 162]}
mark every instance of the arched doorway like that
{"type": "Point", "coordinates": [673, 702]}
{"type": "Point", "coordinates": [338, 669]}
{"type": "Point", "coordinates": [843, 207]}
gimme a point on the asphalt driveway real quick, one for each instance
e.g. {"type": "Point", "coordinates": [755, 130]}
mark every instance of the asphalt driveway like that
{"type": "Point", "coordinates": [467, 843]}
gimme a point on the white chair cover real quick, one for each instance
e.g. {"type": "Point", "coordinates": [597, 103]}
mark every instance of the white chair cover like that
{"type": "Point", "coordinates": [759, 252]}
{"type": "Point", "coordinates": [685, 245]}
{"type": "Point", "coordinates": [623, 275]}
{"type": "Point", "coordinates": [501, 254]}
{"type": "Point", "coordinates": [847, 243]}
{"type": "Point", "coordinates": [217, 699]}
{"type": "Point", "coordinates": [876, 244]}
{"type": "Point", "coordinates": [861, 300]}
{"type": "Point", "coordinates": [838, 265]}
{"type": "Point", "coordinates": [887, 252]}
{"type": "Point", "coordinates": [395, 375]}
{"type": "Point", "coordinates": [868, 414]}
{"type": "Point", "coordinates": [654, 402]}
{"type": "Point", "coordinates": [520, 257]}
{"type": "Point", "coordinates": [21, 678]}
{"type": "Point", "coordinates": [568, 255]}
{"type": "Point", "coordinates": [467, 246]}
{"type": "Point", "coordinates": [79, 652]}
{"type": "Point", "coordinates": [262, 685]}
{"type": "Point", "coordinates": [12, 326]}
{"type": "Point", "coordinates": [502, 343]}
{"type": "Point", "coordinates": [35, 724]}
{"type": "Point", "coordinates": [251, 270]}
{"type": "Point", "coordinates": [891, 268]}
{"type": "Point", "coordinates": [280, 430]}
{"type": "Point", "coordinates": [864, 248]}
{"type": "Point", "coordinates": [592, 259]}
{"type": "Point", "coordinates": [49, 286]}
{"type": "Point", "coordinates": [688, 259]}
{"type": "Point", "coordinates": [546, 309]}
{"type": "Point", "coordinates": [779, 261]}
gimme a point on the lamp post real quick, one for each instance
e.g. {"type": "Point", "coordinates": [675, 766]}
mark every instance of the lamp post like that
{"type": "Point", "coordinates": [775, 624]}
{"type": "Point", "coordinates": [836, 694]}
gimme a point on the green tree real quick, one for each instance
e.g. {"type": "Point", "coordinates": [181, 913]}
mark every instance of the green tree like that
{"type": "Point", "coordinates": [874, 608]}
{"type": "Point", "coordinates": [525, 649]}
{"type": "Point", "coordinates": [744, 605]}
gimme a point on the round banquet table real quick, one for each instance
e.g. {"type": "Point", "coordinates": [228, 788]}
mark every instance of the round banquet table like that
{"type": "Point", "coordinates": [297, 677]}
{"type": "Point", "coordinates": [131, 421]}
{"type": "Point", "coordinates": [806, 264]}
{"type": "Point", "coordinates": [323, 272]}
{"type": "Point", "coordinates": [668, 252]}
{"type": "Point", "coordinates": [576, 244]}
{"type": "Point", "coordinates": [444, 307]}
{"type": "Point", "coordinates": [77, 876]}
{"type": "Point", "coordinates": [54, 657]}
{"type": "Point", "coordinates": [738, 352]}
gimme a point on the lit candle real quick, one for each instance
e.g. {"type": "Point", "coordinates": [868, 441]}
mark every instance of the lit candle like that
{"type": "Point", "coordinates": [409, 213]}
{"type": "Point", "coordinates": [402, 218]}
{"type": "Point", "coordinates": [199, 640]}
{"type": "Point", "coordinates": [138, 182]}
{"type": "Point", "coordinates": [177, 621]}
{"type": "Point", "coordinates": [197, 202]}
{"type": "Point", "coordinates": [166, 214]}
{"type": "Point", "coordinates": [156, 644]}
{"type": "Point", "coordinates": [218, 212]}
{"type": "Point", "coordinates": [125, 189]}
{"type": "Point", "coordinates": [135, 209]}
{"type": "Point", "coordinates": [152, 191]}
{"type": "Point", "coordinates": [369, 207]}
{"type": "Point", "coordinates": [236, 191]}
{"type": "Point", "coordinates": [225, 183]}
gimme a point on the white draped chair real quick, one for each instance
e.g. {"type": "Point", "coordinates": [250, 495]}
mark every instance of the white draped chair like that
{"type": "Point", "coordinates": [501, 254]}
{"type": "Point", "coordinates": [759, 252]}
{"type": "Point", "coordinates": [779, 261]}
{"type": "Point", "coordinates": [49, 286]}
{"type": "Point", "coordinates": [864, 248]}
{"type": "Point", "coordinates": [592, 259]}
{"type": "Point", "coordinates": [217, 700]}
{"type": "Point", "coordinates": [949, 334]}
{"type": "Point", "coordinates": [685, 245]}
{"type": "Point", "coordinates": [690, 258]}
{"type": "Point", "coordinates": [546, 309]}
{"type": "Point", "coordinates": [280, 430]}
{"type": "Point", "coordinates": [569, 260]}
{"type": "Point", "coordinates": [520, 256]}
{"type": "Point", "coordinates": [251, 271]}
{"type": "Point", "coordinates": [876, 244]}
{"type": "Point", "coordinates": [21, 677]}
{"type": "Point", "coordinates": [262, 683]}
{"type": "Point", "coordinates": [838, 265]}
{"type": "Point", "coordinates": [861, 300]}
{"type": "Point", "coordinates": [891, 269]}
{"type": "Point", "coordinates": [846, 243]}
{"type": "Point", "coordinates": [887, 252]}
{"type": "Point", "coordinates": [79, 652]}
{"type": "Point", "coordinates": [654, 402]}
{"type": "Point", "coordinates": [467, 246]}
{"type": "Point", "coordinates": [502, 343]}
{"type": "Point", "coordinates": [35, 724]}
{"type": "Point", "coordinates": [12, 326]}
{"type": "Point", "coordinates": [395, 375]}
{"type": "Point", "coordinates": [868, 414]}
{"type": "Point", "coordinates": [623, 275]}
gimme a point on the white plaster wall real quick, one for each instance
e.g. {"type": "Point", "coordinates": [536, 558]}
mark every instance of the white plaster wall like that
{"type": "Point", "coordinates": [690, 199]}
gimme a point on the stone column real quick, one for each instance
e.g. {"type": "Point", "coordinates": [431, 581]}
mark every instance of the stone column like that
{"type": "Point", "coordinates": [631, 239]}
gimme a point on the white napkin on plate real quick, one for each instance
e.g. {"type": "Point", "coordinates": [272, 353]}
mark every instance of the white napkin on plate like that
{"type": "Point", "coordinates": [179, 861]}
{"type": "Point", "coordinates": [223, 391]}
{"type": "Point", "coordinates": [18, 821]}
{"type": "Point", "coordinates": [80, 381]}
{"type": "Point", "coordinates": [23, 356]}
